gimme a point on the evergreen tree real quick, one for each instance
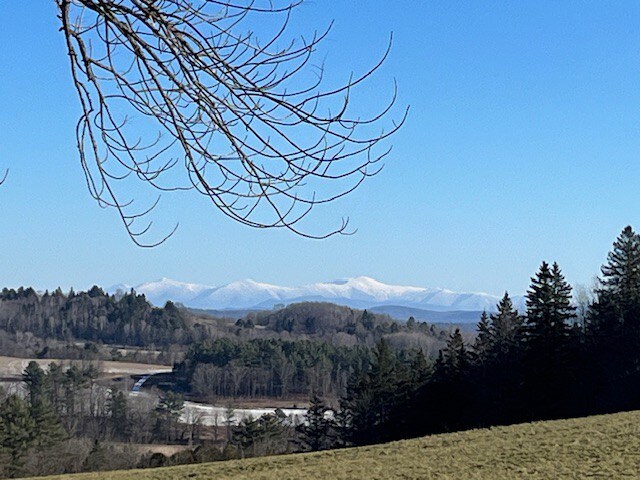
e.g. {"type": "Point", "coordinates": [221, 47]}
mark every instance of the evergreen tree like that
{"type": "Point", "coordinates": [496, 371]}
{"type": "Point", "coordinates": [455, 359]}
{"type": "Point", "coordinates": [48, 426]}
{"type": "Point", "coordinates": [265, 432]}
{"type": "Point", "coordinates": [272, 429]}
{"type": "Point", "coordinates": [548, 364]}
{"type": "Point", "coordinates": [36, 381]}
{"type": "Point", "coordinates": [617, 309]}
{"type": "Point", "coordinates": [621, 273]}
{"type": "Point", "coordinates": [446, 396]}
{"type": "Point", "coordinates": [168, 412]}
{"type": "Point", "coordinates": [317, 431]}
{"type": "Point", "coordinates": [17, 431]}
{"type": "Point", "coordinates": [420, 370]}
{"type": "Point", "coordinates": [614, 327]}
{"type": "Point", "coordinates": [483, 344]}
{"type": "Point", "coordinates": [118, 411]}
{"type": "Point", "coordinates": [372, 398]}
{"type": "Point", "coordinates": [506, 327]}
{"type": "Point", "coordinates": [548, 306]}
{"type": "Point", "coordinates": [246, 434]}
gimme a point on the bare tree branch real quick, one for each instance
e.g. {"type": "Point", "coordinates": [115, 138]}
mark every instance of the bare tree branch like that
{"type": "Point", "coordinates": [245, 123]}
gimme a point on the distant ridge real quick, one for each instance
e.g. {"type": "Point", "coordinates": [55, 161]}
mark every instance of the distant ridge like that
{"type": "Point", "coordinates": [356, 292]}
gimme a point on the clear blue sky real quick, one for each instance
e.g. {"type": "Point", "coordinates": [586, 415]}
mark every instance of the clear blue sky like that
{"type": "Point", "coordinates": [522, 144]}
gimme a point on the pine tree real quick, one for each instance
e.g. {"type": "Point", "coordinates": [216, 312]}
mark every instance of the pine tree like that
{"type": "Point", "coordinates": [455, 358]}
{"type": "Point", "coordinates": [168, 412]}
{"type": "Point", "coordinates": [618, 305]}
{"type": "Point", "coordinates": [48, 426]}
{"type": "Point", "coordinates": [483, 344]}
{"type": "Point", "coordinates": [446, 397]}
{"type": "Point", "coordinates": [373, 396]}
{"type": "Point", "coordinates": [420, 370]}
{"type": "Point", "coordinates": [621, 274]}
{"type": "Point", "coordinates": [614, 324]}
{"type": "Point", "coordinates": [118, 411]}
{"type": "Point", "coordinates": [506, 327]}
{"type": "Point", "coordinates": [497, 362]}
{"type": "Point", "coordinates": [548, 363]}
{"type": "Point", "coordinates": [548, 306]}
{"type": "Point", "coordinates": [246, 434]}
{"type": "Point", "coordinates": [316, 433]}
{"type": "Point", "coordinates": [17, 431]}
{"type": "Point", "coordinates": [36, 381]}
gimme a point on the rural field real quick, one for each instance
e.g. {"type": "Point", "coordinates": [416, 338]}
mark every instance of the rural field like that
{"type": "Point", "coordinates": [605, 446]}
{"type": "Point", "coordinates": [14, 367]}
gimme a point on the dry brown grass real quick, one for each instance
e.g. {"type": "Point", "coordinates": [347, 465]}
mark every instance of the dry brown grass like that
{"type": "Point", "coordinates": [606, 446]}
{"type": "Point", "coordinates": [13, 366]}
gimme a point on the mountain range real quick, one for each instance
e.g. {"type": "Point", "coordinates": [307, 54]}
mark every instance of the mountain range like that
{"type": "Point", "coordinates": [357, 292]}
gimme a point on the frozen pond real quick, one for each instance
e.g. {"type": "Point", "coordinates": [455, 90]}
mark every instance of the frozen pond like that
{"type": "Point", "coordinates": [211, 415]}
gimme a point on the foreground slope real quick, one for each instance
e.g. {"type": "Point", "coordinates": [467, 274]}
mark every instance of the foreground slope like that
{"type": "Point", "coordinates": [606, 446]}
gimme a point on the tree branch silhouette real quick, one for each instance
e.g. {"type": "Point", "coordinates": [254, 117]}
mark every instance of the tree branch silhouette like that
{"type": "Point", "coordinates": [246, 123]}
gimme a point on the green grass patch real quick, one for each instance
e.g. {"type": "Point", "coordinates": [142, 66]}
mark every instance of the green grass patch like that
{"type": "Point", "coordinates": [604, 446]}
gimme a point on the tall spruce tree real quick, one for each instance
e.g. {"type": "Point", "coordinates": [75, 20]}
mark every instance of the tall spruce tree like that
{"type": "Point", "coordinates": [17, 432]}
{"type": "Point", "coordinates": [372, 397]}
{"type": "Point", "coordinates": [614, 327]}
{"type": "Point", "coordinates": [317, 431]}
{"type": "Point", "coordinates": [49, 428]}
{"type": "Point", "coordinates": [447, 395]}
{"type": "Point", "coordinates": [483, 344]}
{"type": "Point", "coordinates": [506, 326]}
{"type": "Point", "coordinates": [548, 306]}
{"type": "Point", "coordinates": [618, 305]}
{"type": "Point", "coordinates": [498, 333]}
{"type": "Point", "coordinates": [455, 357]}
{"type": "Point", "coordinates": [547, 366]}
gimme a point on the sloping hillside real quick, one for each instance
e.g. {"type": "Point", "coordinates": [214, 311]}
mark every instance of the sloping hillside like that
{"type": "Point", "coordinates": [606, 446]}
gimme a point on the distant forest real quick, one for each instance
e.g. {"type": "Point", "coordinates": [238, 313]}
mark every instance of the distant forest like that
{"type": "Point", "coordinates": [368, 379]}
{"type": "Point", "coordinates": [293, 351]}
{"type": "Point", "coordinates": [129, 319]}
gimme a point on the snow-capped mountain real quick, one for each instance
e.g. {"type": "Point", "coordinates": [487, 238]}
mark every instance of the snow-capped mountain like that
{"type": "Point", "coordinates": [242, 294]}
{"type": "Point", "coordinates": [358, 292]}
{"type": "Point", "coordinates": [160, 291]}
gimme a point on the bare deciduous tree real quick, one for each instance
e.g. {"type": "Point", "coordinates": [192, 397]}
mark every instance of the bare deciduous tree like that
{"type": "Point", "coordinates": [247, 123]}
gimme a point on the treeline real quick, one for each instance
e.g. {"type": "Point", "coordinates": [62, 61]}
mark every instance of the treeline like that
{"type": "Point", "coordinates": [345, 326]}
{"type": "Point", "coordinates": [306, 360]}
{"type": "Point", "coordinates": [543, 364]}
{"type": "Point", "coordinates": [52, 324]}
{"type": "Point", "coordinates": [64, 421]}
{"type": "Point", "coordinates": [269, 368]}
{"type": "Point", "coordinates": [95, 316]}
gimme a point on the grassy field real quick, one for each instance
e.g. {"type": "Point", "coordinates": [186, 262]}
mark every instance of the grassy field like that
{"type": "Point", "coordinates": [14, 366]}
{"type": "Point", "coordinates": [606, 446]}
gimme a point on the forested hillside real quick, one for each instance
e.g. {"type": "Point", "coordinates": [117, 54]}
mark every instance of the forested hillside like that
{"type": "Point", "coordinates": [288, 352]}
{"type": "Point", "coordinates": [93, 316]}
{"type": "Point", "coordinates": [131, 320]}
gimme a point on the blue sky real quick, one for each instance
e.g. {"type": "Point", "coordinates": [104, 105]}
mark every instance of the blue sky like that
{"type": "Point", "coordinates": [522, 144]}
